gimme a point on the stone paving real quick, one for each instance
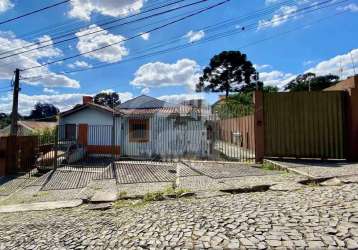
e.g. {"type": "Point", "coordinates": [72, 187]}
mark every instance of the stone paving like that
{"type": "Point", "coordinates": [311, 218]}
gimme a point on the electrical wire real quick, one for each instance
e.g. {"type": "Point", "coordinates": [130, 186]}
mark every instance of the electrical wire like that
{"type": "Point", "coordinates": [96, 30]}
{"type": "Point", "coordinates": [130, 38]}
{"type": "Point", "coordinates": [33, 12]}
{"type": "Point", "coordinates": [179, 47]}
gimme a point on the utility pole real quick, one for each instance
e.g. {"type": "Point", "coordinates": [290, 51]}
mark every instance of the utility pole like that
{"type": "Point", "coordinates": [15, 103]}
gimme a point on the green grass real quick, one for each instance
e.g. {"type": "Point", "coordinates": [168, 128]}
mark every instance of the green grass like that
{"type": "Point", "coordinates": [270, 167]}
{"type": "Point", "coordinates": [153, 196]}
{"type": "Point", "coordinates": [122, 194]}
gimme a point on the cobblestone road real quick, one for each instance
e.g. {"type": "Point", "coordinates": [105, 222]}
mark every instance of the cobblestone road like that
{"type": "Point", "coordinates": [314, 218]}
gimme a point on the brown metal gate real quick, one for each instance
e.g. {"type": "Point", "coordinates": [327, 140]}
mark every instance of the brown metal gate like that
{"type": "Point", "coordinates": [304, 124]}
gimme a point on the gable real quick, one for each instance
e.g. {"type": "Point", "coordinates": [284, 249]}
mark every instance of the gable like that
{"type": "Point", "coordinates": [143, 102]}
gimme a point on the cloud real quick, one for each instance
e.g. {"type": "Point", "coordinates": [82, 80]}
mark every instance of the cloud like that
{"type": "Point", "coordinates": [50, 91]}
{"type": "Point", "coordinates": [5, 5]}
{"type": "Point", "coordinates": [341, 65]}
{"type": "Point", "coordinates": [181, 97]}
{"type": "Point", "coordinates": [83, 9]}
{"type": "Point", "coordinates": [184, 72]}
{"type": "Point", "coordinates": [281, 16]}
{"type": "Point", "coordinates": [194, 36]}
{"type": "Point", "coordinates": [145, 36]}
{"type": "Point", "coordinates": [145, 91]}
{"type": "Point", "coordinates": [8, 41]}
{"type": "Point", "coordinates": [62, 101]}
{"type": "Point", "coordinates": [260, 67]}
{"type": "Point", "coordinates": [276, 78]}
{"type": "Point", "coordinates": [353, 7]}
{"type": "Point", "coordinates": [100, 39]}
{"type": "Point", "coordinates": [79, 64]}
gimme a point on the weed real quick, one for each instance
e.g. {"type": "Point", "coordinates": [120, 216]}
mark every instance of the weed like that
{"type": "Point", "coordinates": [154, 196]}
{"type": "Point", "coordinates": [122, 194]}
{"type": "Point", "coordinates": [269, 166]}
{"type": "Point", "coordinates": [175, 192]}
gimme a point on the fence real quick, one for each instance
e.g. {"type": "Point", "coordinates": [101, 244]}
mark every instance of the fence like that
{"type": "Point", "coordinates": [305, 124]}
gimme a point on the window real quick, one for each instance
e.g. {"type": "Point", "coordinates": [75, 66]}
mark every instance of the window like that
{"type": "Point", "coordinates": [139, 130]}
{"type": "Point", "coordinates": [70, 131]}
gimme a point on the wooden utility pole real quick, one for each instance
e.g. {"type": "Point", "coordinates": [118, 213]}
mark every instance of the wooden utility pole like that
{"type": "Point", "coordinates": [15, 103]}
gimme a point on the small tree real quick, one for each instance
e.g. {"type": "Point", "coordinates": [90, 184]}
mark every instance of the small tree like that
{"type": "Point", "coordinates": [107, 99]}
{"type": "Point", "coordinates": [230, 71]}
{"type": "Point", "coordinates": [309, 81]}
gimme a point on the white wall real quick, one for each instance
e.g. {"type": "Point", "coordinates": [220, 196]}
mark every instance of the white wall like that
{"type": "Point", "coordinates": [166, 139]}
{"type": "Point", "coordinates": [99, 125]}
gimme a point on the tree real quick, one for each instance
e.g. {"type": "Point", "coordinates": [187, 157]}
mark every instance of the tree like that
{"type": "Point", "coordinates": [230, 71]}
{"type": "Point", "coordinates": [107, 99]}
{"type": "Point", "coordinates": [309, 81]}
{"type": "Point", "coordinates": [43, 110]}
{"type": "Point", "coordinates": [5, 120]}
{"type": "Point", "coordinates": [270, 89]}
{"type": "Point", "coordinates": [239, 104]}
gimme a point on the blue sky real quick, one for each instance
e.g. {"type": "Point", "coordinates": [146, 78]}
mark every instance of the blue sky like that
{"type": "Point", "coordinates": [282, 38]}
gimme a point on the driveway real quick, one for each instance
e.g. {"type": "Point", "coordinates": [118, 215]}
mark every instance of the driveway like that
{"type": "Point", "coordinates": [320, 169]}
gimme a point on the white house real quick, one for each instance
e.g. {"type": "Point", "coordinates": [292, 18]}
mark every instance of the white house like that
{"type": "Point", "coordinates": [143, 127]}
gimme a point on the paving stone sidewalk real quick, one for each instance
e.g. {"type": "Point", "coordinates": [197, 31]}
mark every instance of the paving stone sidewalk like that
{"type": "Point", "coordinates": [310, 218]}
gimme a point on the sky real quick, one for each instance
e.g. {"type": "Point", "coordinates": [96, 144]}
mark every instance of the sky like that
{"type": "Point", "coordinates": [162, 52]}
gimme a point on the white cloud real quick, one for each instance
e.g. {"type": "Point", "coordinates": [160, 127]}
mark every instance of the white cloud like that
{"type": "Point", "coordinates": [280, 17]}
{"type": "Point", "coordinates": [181, 97]}
{"type": "Point", "coordinates": [194, 36]}
{"type": "Point", "coordinates": [276, 78]}
{"type": "Point", "coordinates": [158, 74]}
{"type": "Point", "coordinates": [341, 65]}
{"type": "Point", "coordinates": [260, 67]}
{"type": "Point", "coordinates": [100, 39]}
{"type": "Point", "coordinates": [83, 9]}
{"type": "Point", "coordinates": [5, 5]}
{"type": "Point", "coordinates": [50, 91]}
{"type": "Point", "coordinates": [145, 91]}
{"type": "Point", "coordinates": [62, 101]}
{"type": "Point", "coordinates": [268, 2]}
{"type": "Point", "coordinates": [79, 64]}
{"type": "Point", "coordinates": [353, 7]}
{"type": "Point", "coordinates": [145, 36]}
{"type": "Point", "coordinates": [8, 41]}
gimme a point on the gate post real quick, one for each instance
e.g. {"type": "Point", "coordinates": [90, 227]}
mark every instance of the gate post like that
{"type": "Point", "coordinates": [55, 149]}
{"type": "Point", "coordinates": [352, 135]}
{"type": "Point", "coordinates": [259, 126]}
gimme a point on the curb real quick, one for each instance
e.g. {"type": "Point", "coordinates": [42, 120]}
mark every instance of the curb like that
{"type": "Point", "coordinates": [291, 170]}
{"type": "Point", "coordinates": [40, 206]}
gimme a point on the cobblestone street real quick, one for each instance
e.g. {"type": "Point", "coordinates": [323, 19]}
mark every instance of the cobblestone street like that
{"type": "Point", "coordinates": [313, 217]}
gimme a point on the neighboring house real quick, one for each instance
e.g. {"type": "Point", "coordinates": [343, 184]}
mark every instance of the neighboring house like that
{"type": "Point", "coordinates": [29, 127]}
{"type": "Point", "coordinates": [144, 126]}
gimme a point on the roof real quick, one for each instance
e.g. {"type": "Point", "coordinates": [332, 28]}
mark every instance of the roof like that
{"type": "Point", "coordinates": [143, 102]}
{"type": "Point", "coordinates": [165, 110]}
{"type": "Point", "coordinates": [87, 105]}
{"type": "Point", "coordinates": [37, 125]}
{"type": "Point", "coordinates": [349, 83]}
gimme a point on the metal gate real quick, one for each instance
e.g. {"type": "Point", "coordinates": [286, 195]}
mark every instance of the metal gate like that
{"type": "Point", "coordinates": [305, 125]}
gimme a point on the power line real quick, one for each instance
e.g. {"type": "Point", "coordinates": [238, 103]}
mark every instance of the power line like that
{"type": "Point", "coordinates": [130, 38]}
{"type": "Point", "coordinates": [33, 12]}
{"type": "Point", "coordinates": [179, 47]}
{"type": "Point", "coordinates": [60, 26]}
{"type": "Point", "coordinates": [74, 31]}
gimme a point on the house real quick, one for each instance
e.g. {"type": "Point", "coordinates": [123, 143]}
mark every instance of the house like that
{"type": "Point", "coordinates": [142, 127]}
{"type": "Point", "coordinates": [29, 127]}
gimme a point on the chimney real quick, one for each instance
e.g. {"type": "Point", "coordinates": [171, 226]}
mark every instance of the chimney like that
{"type": "Point", "coordinates": [87, 99]}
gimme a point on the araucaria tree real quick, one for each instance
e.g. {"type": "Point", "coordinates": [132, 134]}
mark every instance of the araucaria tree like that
{"type": "Point", "coordinates": [230, 71]}
{"type": "Point", "coordinates": [110, 99]}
